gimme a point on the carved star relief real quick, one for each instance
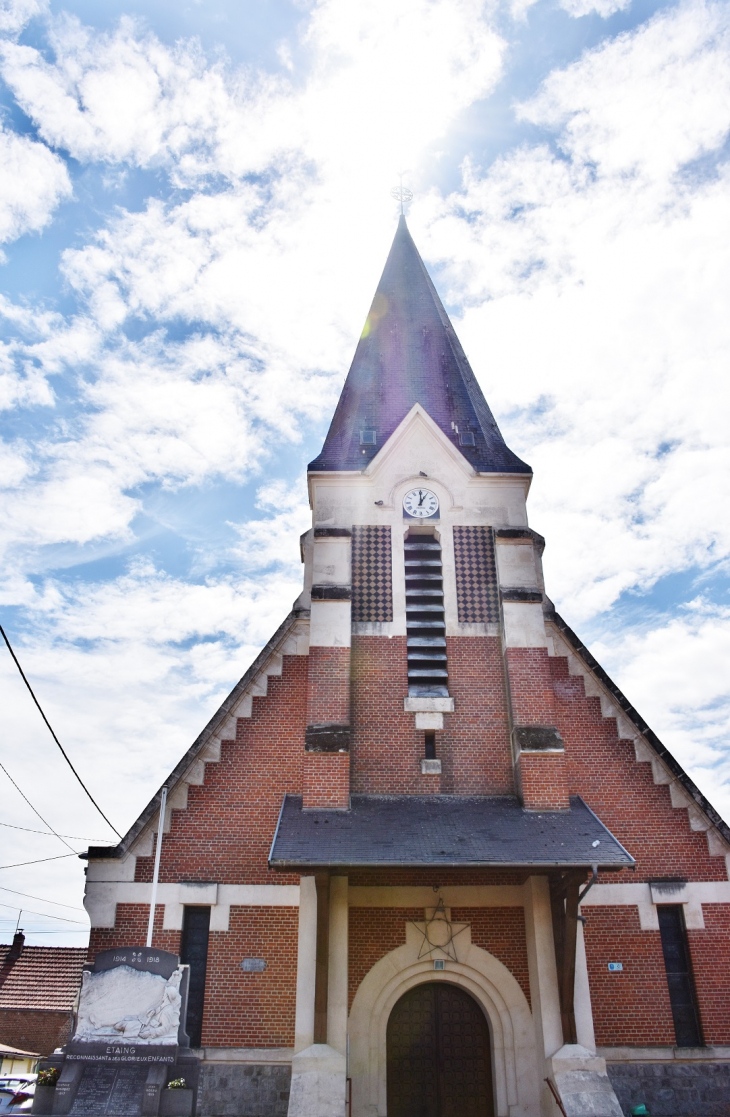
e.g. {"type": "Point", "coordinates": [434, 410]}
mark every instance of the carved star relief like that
{"type": "Point", "coordinates": [439, 933]}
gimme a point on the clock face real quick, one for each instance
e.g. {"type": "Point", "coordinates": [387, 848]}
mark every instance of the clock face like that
{"type": "Point", "coordinates": [421, 503]}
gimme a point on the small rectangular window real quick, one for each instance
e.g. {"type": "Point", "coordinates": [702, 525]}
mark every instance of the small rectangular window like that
{"type": "Point", "coordinates": [678, 965]}
{"type": "Point", "coordinates": [429, 745]}
{"type": "Point", "coordinates": [194, 953]}
{"type": "Point", "coordinates": [466, 438]}
{"type": "Point", "coordinates": [367, 438]}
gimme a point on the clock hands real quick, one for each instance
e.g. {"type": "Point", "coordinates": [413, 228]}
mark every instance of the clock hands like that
{"type": "Point", "coordinates": [422, 495]}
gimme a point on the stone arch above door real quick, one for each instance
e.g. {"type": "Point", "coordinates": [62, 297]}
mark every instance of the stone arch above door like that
{"type": "Point", "coordinates": [514, 1054]}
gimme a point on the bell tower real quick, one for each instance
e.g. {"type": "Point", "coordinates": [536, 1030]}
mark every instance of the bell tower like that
{"type": "Point", "coordinates": [421, 556]}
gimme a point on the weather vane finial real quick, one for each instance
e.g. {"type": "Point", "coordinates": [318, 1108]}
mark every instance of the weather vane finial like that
{"type": "Point", "coordinates": [402, 194]}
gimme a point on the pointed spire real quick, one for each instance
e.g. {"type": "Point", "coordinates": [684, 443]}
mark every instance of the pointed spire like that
{"type": "Point", "coordinates": [409, 353]}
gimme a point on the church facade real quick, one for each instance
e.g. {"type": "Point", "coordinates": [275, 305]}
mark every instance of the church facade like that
{"type": "Point", "coordinates": [427, 859]}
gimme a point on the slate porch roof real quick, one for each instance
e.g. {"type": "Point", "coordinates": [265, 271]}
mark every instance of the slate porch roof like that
{"type": "Point", "coordinates": [43, 978]}
{"type": "Point", "coordinates": [442, 830]}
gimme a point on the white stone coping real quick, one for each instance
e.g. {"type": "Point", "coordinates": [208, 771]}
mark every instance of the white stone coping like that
{"type": "Point", "coordinates": [103, 896]}
{"type": "Point", "coordinates": [280, 1056]}
{"type": "Point", "coordinates": [692, 896]}
{"type": "Point", "coordinates": [665, 1054]}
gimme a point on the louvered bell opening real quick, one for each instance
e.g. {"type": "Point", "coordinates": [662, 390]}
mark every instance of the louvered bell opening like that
{"type": "Point", "coordinates": [425, 620]}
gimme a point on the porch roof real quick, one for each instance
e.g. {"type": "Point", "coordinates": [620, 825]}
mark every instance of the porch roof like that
{"type": "Point", "coordinates": [446, 830]}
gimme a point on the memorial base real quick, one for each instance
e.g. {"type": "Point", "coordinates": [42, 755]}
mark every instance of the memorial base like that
{"type": "Point", "coordinates": [119, 1090]}
{"type": "Point", "coordinates": [176, 1103]}
{"type": "Point", "coordinates": [43, 1099]}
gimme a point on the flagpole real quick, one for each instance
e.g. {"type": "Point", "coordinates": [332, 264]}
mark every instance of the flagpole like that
{"type": "Point", "coordinates": [156, 873]}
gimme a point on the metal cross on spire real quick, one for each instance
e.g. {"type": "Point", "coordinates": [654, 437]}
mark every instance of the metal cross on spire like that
{"type": "Point", "coordinates": [402, 194]}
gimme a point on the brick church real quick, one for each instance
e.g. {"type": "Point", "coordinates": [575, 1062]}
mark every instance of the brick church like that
{"type": "Point", "coordinates": [427, 860]}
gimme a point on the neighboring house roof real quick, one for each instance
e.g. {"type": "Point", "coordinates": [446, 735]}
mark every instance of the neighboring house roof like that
{"type": "Point", "coordinates": [409, 353]}
{"type": "Point", "coordinates": [42, 978]}
{"type": "Point", "coordinates": [445, 830]}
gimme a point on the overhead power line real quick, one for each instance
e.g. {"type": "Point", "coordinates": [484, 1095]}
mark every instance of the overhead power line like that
{"type": "Point", "coordinates": [19, 864]}
{"type": "Point", "coordinates": [68, 931]}
{"type": "Point", "coordinates": [43, 914]}
{"type": "Point", "coordinates": [34, 809]}
{"type": "Point", "coordinates": [55, 738]}
{"type": "Point", "coordinates": [27, 895]}
{"type": "Point", "coordinates": [51, 833]}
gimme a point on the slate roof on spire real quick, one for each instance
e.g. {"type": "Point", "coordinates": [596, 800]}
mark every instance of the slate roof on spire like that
{"type": "Point", "coordinates": [409, 353]}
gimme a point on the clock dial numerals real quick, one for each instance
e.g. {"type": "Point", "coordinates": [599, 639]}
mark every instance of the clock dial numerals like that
{"type": "Point", "coordinates": [421, 503]}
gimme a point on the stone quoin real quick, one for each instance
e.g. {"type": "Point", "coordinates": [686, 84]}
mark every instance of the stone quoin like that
{"type": "Point", "coordinates": [404, 857]}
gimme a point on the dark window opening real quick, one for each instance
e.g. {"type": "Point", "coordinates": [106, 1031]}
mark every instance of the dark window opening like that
{"type": "Point", "coordinates": [678, 965]}
{"type": "Point", "coordinates": [429, 746]}
{"type": "Point", "coordinates": [194, 953]}
{"type": "Point", "coordinates": [367, 438]}
{"type": "Point", "coordinates": [466, 438]}
{"type": "Point", "coordinates": [425, 618]}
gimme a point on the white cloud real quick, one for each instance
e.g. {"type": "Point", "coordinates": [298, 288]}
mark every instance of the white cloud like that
{"type": "Point", "coordinates": [648, 101]}
{"type": "Point", "coordinates": [679, 668]}
{"type": "Point", "coordinates": [274, 540]}
{"type": "Point", "coordinates": [603, 8]}
{"type": "Point", "coordinates": [128, 672]}
{"type": "Point", "coordinates": [32, 183]}
{"type": "Point", "coordinates": [126, 96]}
{"type": "Point", "coordinates": [595, 310]}
{"type": "Point", "coordinates": [15, 14]}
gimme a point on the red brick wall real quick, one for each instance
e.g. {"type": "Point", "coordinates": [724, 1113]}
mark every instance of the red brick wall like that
{"type": "Point", "coordinates": [631, 1007]}
{"type": "Point", "coordinates": [531, 686]}
{"type": "Point", "coordinates": [709, 951]}
{"type": "Point", "coordinates": [241, 1010]}
{"type": "Point", "coordinates": [131, 930]}
{"type": "Point", "coordinates": [603, 769]}
{"type": "Point", "coordinates": [501, 931]}
{"type": "Point", "coordinates": [33, 1030]}
{"type": "Point", "coordinates": [252, 1010]}
{"type": "Point", "coordinates": [226, 832]}
{"type": "Point", "coordinates": [328, 695]}
{"type": "Point", "coordinates": [476, 757]}
{"type": "Point", "coordinates": [373, 933]}
{"type": "Point", "coordinates": [327, 779]}
{"type": "Point", "coordinates": [387, 749]}
{"type": "Point", "coordinates": [369, 878]}
{"type": "Point", "coordinates": [543, 782]}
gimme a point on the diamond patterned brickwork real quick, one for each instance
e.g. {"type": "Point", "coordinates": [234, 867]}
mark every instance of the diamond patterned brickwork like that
{"type": "Point", "coordinates": [477, 591]}
{"type": "Point", "coordinates": [372, 574]}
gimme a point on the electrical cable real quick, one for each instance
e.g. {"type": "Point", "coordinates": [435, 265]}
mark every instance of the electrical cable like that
{"type": "Point", "coordinates": [29, 911]}
{"type": "Point", "coordinates": [68, 931]}
{"type": "Point", "coordinates": [43, 900]}
{"type": "Point", "coordinates": [52, 833]}
{"type": "Point", "coordinates": [19, 864]}
{"type": "Point", "coordinates": [7, 773]}
{"type": "Point", "coordinates": [55, 738]}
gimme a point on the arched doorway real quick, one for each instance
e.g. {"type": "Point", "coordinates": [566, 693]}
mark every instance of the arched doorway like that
{"type": "Point", "coordinates": [438, 1055]}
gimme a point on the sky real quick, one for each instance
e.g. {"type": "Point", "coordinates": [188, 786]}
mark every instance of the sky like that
{"type": "Point", "coordinates": [195, 207]}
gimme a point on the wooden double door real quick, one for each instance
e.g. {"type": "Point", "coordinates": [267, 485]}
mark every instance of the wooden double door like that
{"type": "Point", "coordinates": [439, 1055]}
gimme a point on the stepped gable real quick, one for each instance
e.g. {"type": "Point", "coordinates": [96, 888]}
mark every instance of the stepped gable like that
{"type": "Point", "coordinates": [409, 353]}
